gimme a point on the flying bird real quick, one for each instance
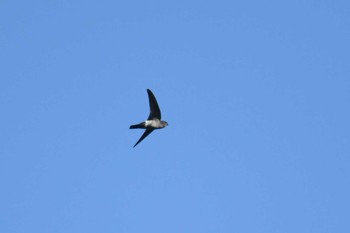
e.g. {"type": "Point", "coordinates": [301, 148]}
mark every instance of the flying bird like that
{"type": "Point", "coordinates": [153, 121]}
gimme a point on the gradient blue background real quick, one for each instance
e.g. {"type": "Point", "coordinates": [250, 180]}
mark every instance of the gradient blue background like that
{"type": "Point", "coordinates": [256, 93]}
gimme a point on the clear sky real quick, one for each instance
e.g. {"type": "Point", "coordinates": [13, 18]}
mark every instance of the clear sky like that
{"type": "Point", "coordinates": [256, 94]}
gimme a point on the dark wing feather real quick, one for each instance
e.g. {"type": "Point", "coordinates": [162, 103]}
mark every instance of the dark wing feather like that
{"type": "Point", "coordinates": [153, 105]}
{"type": "Point", "coordinates": [144, 135]}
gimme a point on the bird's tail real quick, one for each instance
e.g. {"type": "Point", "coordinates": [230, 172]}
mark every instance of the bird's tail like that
{"type": "Point", "coordinates": [138, 126]}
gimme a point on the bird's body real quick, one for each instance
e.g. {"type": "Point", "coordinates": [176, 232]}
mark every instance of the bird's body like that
{"type": "Point", "coordinates": [150, 124]}
{"type": "Point", "coordinates": [153, 122]}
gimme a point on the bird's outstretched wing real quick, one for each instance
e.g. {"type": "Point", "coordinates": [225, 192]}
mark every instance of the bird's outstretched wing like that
{"type": "Point", "coordinates": [144, 135]}
{"type": "Point", "coordinates": [153, 105]}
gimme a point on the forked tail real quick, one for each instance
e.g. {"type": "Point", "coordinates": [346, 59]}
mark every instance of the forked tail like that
{"type": "Point", "coordinates": [138, 126]}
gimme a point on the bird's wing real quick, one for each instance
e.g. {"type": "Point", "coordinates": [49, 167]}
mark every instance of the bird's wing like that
{"type": "Point", "coordinates": [153, 105]}
{"type": "Point", "coordinates": [144, 135]}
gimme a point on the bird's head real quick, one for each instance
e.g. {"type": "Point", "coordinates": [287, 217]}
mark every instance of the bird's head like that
{"type": "Point", "coordinates": [165, 123]}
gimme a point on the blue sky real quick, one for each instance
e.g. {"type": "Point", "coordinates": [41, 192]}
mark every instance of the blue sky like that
{"type": "Point", "coordinates": [256, 95]}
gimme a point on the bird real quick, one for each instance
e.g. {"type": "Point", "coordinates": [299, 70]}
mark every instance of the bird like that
{"type": "Point", "coordinates": [154, 119]}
